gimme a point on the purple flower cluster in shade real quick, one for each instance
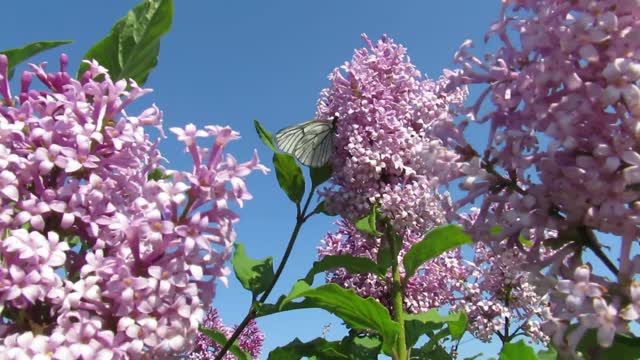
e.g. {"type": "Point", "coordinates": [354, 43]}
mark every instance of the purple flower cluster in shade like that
{"type": "Point", "coordinates": [250, 339]}
{"type": "Point", "coordinates": [562, 154]}
{"type": "Point", "coordinates": [387, 148]}
{"type": "Point", "coordinates": [436, 283]}
{"type": "Point", "coordinates": [100, 258]}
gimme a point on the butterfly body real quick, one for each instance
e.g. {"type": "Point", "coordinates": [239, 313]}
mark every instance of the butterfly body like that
{"type": "Point", "coordinates": [311, 142]}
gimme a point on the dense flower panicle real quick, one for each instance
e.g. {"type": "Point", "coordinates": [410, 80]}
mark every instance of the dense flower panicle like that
{"type": "Point", "coordinates": [391, 130]}
{"type": "Point", "coordinates": [562, 155]}
{"type": "Point", "coordinates": [250, 339]}
{"type": "Point", "coordinates": [104, 253]}
{"type": "Point", "coordinates": [435, 284]}
{"type": "Point", "coordinates": [392, 133]}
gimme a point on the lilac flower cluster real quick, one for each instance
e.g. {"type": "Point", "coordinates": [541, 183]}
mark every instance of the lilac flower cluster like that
{"type": "Point", "coordinates": [250, 339]}
{"type": "Point", "coordinates": [104, 253]}
{"type": "Point", "coordinates": [387, 147]}
{"type": "Point", "coordinates": [562, 154]}
{"type": "Point", "coordinates": [500, 297]}
{"type": "Point", "coordinates": [389, 152]}
{"type": "Point", "coordinates": [435, 284]}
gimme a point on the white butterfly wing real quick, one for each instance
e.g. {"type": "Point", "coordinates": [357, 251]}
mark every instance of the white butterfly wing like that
{"type": "Point", "coordinates": [310, 142]}
{"type": "Point", "coordinates": [316, 151]}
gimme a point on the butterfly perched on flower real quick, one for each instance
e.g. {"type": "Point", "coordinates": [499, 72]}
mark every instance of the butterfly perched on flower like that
{"type": "Point", "coordinates": [311, 142]}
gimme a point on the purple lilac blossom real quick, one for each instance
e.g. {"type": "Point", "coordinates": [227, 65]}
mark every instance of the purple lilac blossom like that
{"type": "Point", "coordinates": [387, 149]}
{"type": "Point", "coordinates": [388, 152]}
{"type": "Point", "coordinates": [500, 297]}
{"type": "Point", "coordinates": [99, 260]}
{"type": "Point", "coordinates": [562, 151]}
{"type": "Point", "coordinates": [250, 340]}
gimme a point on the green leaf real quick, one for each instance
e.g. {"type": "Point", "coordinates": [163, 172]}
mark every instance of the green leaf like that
{"type": "Point", "coordinates": [353, 264]}
{"type": "Point", "coordinates": [289, 176]}
{"type": "Point", "coordinates": [17, 56]}
{"type": "Point", "coordinates": [131, 49]}
{"type": "Point", "coordinates": [254, 275]}
{"type": "Point", "coordinates": [320, 209]}
{"type": "Point", "coordinates": [352, 347]}
{"type": "Point", "coordinates": [495, 230]}
{"type": "Point", "coordinates": [480, 354]}
{"type": "Point", "coordinates": [427, 322]}
{"type": "Point", "coordinates": [361, 347]}
{"type": "Point", "coordinates": [524, 241]}
{"type": "Point", "coordinates": [549, 354]}
{"type": "Point", "coordinates": [278, 307]}
{"type": "Point", "coordinates": [299, 288]}
{"type": "Point", "coordinates": [357, 313]}
{"type": "Point", "coordinates": [436, 339]}
{"type": "Point", "coordinates": [157, 174]}
{"type": "Point", "coordinates": [221, 339]}
{"type": "Point", "coordinates": [431, 316]}
{"type": "Point", "coordinates": [73, 240]}
{"type": "Point", "coordinates": [329, 350]}
{"type": "Point", "coordinates": [414, 329]}
{"type": "Point", "coordinates": [435, 243]}
{"type": "Point", "coordinates": [623, 347]}
{"type": "Point", "coordinates": [517, 351]}
{"type": "Point", "coordinates": [436, 352]}
{"type": "Point", "coordinates": [368, 224]}
{"type": "Point", "coordinates": [265, 136]}
{"type": "Point", "coordinates": [457, 323]}
{"type": "Point", "coordinates": [320, 175]}
{"type": "Point", "coordinates": [631, 341]}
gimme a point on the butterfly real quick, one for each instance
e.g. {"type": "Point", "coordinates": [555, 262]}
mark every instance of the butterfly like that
{"type": "Point", "coordinates": [311, 142]}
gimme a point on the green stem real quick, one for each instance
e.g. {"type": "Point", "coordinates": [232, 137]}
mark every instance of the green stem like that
{"type": "Point", "coordinates": [250, 316]}
{"type": "Point", "coordinates": [300, 220]}
{"type": "Point", "coordinates": [398, 304]}
{"type": "Point", "coordinates": [507, 336]}
{"type": "Point", "coordinates": [283, 262]}
{"type": "Point", "coordinates": [591, 241]}
{"type": "Point", "coordinates": [398, 309]}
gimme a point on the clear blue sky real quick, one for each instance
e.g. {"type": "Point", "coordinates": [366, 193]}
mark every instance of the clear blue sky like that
{"type": "Point", "coordinates": [230, 62]}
